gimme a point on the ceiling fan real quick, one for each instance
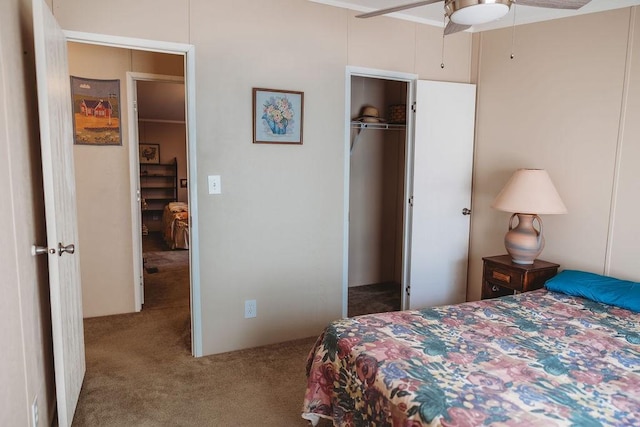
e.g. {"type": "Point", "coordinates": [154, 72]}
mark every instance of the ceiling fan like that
{"type": "Point", "coordinates": [463, 14]}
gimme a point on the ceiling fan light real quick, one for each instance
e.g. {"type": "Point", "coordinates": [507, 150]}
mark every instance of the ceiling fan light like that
{"type": "Point", "coordinates": [474, 12]}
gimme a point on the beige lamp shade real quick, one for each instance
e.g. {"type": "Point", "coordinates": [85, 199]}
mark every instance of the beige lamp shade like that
{"type": "Point", "coordinates": [530, 191]}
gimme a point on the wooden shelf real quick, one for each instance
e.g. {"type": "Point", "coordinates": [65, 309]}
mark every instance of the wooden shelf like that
{"type": "Point", "coordinates": [158, 186]}
{"type": "Point", "coordinates": [157, 201]}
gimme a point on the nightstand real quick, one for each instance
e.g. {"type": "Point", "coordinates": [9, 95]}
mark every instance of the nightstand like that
{"type": "Point", "coordinates": [501, 276]}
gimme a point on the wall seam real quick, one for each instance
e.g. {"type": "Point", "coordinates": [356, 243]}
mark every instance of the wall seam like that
{"type": "Point", "coordinates": [620, 141]}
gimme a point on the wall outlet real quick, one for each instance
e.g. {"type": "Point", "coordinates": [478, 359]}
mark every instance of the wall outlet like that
{"type": "Point", "coordinates": [35, 416]}
{"type": "Point", "coordinates": [250, 308]}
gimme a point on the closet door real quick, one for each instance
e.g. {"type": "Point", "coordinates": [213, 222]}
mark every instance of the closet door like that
{"type": "Point", "coordinates": [442, 166]}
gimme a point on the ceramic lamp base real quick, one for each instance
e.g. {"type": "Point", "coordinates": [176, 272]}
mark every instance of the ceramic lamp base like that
{"type": "Point", "coordinates": [524, 242]}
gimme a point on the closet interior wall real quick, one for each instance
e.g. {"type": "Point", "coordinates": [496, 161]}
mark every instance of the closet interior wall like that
{"type": "Point", "coordinates": [376, 187]}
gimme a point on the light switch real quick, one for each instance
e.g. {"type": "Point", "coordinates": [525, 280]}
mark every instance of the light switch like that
{"type": "Point", "coordinates": [214, 184]}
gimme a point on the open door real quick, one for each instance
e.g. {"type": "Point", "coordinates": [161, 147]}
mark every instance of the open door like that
{"type": "Point", "coordinates": [442, 167]}
{"type": "Point", "coordinates": [56, 135]}
{"type": "Point", "coordinates": [136, 205]}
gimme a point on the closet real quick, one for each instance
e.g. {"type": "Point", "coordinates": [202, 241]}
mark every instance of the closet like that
{"type": "Point", "coordinates": [376, 190]}
{"type": "Point", "coordinates": [409, 181]}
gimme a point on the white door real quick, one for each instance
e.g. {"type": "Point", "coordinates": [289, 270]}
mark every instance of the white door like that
{"type": "Point", "coordinates": [56, 135]}
{"type": "Point", "coordinates": [442, 166]}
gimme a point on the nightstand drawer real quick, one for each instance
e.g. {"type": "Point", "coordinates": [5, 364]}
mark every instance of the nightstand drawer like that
{"type": "Point", "coordinates": [495, 291]}
{"type": "Point", "coordinates": [512, 279]}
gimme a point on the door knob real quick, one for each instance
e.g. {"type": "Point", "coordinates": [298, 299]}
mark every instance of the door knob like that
{"type": "Point", "coordinates": [68, 249]}
{"type": "Point", "coordinates": [466, 211]}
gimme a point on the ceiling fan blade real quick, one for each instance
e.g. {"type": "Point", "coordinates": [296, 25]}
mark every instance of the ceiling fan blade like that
{"type": "Point", "coordinates": [554, 4]}
{"type": "Point", "coordinates": [452, 28]}
{"type": "Point", "coordinates": [396, 8]}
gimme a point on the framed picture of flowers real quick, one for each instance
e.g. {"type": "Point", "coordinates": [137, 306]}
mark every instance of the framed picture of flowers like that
{"type": "Point", "coordinates": [277, 116]}
{"type": "Point", "coordinates": [149, 153]}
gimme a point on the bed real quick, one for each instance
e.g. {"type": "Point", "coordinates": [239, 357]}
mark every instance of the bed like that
{"type": "Point", "coordinates": [541, 358]}
{"type": "Point", "coordinates": [175, 225]}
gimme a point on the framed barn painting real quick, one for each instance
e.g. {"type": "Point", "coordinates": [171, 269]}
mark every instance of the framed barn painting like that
{"type": "Point", "coordinates": [96, 111]}
{"type": "Point", "coordinates": [277, 116]}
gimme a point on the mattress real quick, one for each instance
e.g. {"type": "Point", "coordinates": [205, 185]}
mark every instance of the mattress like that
{"type": "Point", "coordinates": [539, 358]}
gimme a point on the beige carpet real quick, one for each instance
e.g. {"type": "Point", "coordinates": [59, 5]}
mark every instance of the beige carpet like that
{"type": "Point", "coordinates": [375, 298]}
{"type": "Point", "coordinates": [140, 371]}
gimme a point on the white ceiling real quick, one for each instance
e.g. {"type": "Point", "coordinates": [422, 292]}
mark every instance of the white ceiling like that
{"type": "Point", "coordinates": [433, 14]}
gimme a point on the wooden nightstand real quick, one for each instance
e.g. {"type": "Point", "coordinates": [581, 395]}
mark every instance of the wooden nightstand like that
{"type": "Point", "coordinates": [501, 276]}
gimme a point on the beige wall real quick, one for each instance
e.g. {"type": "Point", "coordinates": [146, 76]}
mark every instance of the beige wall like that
{"type": "Point", "coordinates": [275, 234]}
{"type": "Point", "coordinates": [102, 184]}
{"type": "Point", "coordinates": [557, 106]}
{"type": "Point", "coordinates": [26, 368]}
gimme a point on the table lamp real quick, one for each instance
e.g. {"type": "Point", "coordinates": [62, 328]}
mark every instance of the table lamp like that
{"type": "Point", "coordinates": [528, 193]}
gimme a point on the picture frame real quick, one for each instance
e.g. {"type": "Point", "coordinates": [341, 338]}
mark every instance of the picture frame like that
{"type": "Point", "coordinates": [149, 153]}
{"type": "Point", "coordinates": [96, 111]}
{"type": "Point", "coordinates": [277, 116]}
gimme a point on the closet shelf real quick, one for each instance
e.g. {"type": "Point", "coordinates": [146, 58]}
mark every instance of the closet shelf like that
{"type": "Point", "coordinates": [360, 126]}
{"type": "Point", "coordinates": [389, 126]}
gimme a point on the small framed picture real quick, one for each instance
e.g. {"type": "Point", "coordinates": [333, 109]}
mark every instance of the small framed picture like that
{"type": "Point", "coordinates": [277, 116]}
{"type": "Point", "coordinates": [183, 182]}
{"type": "Point", "coordinates": [149, 153]}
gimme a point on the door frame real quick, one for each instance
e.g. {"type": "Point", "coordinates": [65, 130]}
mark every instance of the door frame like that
{"type": "Point", "coordinates": [134, 177]}
{"type": "Point", "coordinates": [410, 79]}
{"type": "Point", "coordinates": [188, 51]}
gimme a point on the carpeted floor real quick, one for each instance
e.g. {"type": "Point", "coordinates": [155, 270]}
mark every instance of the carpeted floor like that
{"type": "Point", "coordinates": [166, 280]}
{"type": "Point", "coordinates": [377, 298]}
{"type": "Point", "coordinates": [140, 371]}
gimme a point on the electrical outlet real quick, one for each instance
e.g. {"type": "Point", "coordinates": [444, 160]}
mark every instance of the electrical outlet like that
{"type": "Point", "coordinates": [35, 416]}
{"type": "Point", "coordinates": [250, 308]}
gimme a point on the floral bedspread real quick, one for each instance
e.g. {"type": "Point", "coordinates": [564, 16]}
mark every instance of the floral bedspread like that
{"type": "Point", "coordinates": [539, 358]}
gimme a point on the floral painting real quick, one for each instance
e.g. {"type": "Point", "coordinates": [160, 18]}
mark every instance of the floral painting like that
{"type": "Point", "coordinates": [149, 153]}
{"type": "Point", "coordinates": [96, 111]}
{"type": "Point", "coordinates": [277, 116]}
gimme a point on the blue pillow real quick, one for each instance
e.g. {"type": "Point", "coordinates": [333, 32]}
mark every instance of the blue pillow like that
{"type": "Point", "coordinates": [621, 293]}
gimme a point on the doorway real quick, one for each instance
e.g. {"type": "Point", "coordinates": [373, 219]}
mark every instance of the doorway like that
{"type": "Point", "coordinates": [157, 119]}
{"type": "Point", "coordinates": [436, 194]}
{"type": "Point", "coordinates": [186, 54]}
{"type": "Point", "coordinates": [377, 179]}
